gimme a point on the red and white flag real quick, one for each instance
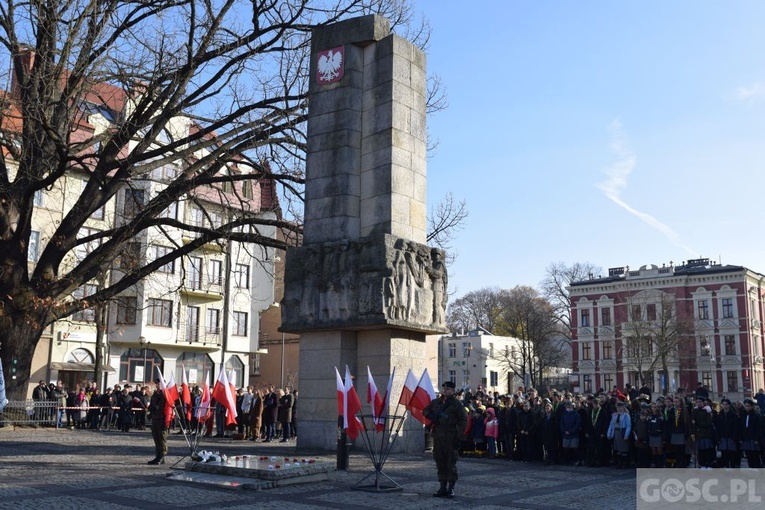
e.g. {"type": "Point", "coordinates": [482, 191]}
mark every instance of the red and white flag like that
{"type": "Point", "coordinates": [161, 378]}
{"type": "Point", "coordinates": [232, 383]}
{"type": "Point", "coordinates": [352, 406]}
{"type": "Point", "coordinates": [348, 404]}
{"type": "Point", "coordinates": [423, 395]}
{"type": "Point", "coordinates": [185, 394]}
{"type": "Point", "coordinates": [377, 401]}
{"type": "Point", "coordinates": [222, 393]}
{"type": "Point", "coordinates": [410, 384]}
{"type": "Point", "coordinates": [171, 397]}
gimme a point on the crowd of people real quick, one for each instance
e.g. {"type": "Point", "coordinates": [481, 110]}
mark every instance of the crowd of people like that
{"type": "Point", "coordinates": [621, 428]}
{"type": "Point", "coordinates": [266, 414]}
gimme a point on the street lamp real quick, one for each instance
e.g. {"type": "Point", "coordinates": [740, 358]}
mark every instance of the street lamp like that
{"type": "Point", "coordinates": [706, 350]}
{"type": "Point", "coordinates": [144, 345]}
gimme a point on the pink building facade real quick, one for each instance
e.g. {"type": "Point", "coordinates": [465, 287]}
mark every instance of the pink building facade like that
{"type": "Point", "coordinates": [670, 327]}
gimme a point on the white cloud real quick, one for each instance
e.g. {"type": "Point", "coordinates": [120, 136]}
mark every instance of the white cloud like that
{"type": "Point", "coordinates": [618, 176]}
{"type": "Point", "coordinates": [750, 93]}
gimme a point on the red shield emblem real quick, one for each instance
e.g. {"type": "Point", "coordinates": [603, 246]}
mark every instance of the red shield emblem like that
{"type": "Point", "coordinates": [330, 65]}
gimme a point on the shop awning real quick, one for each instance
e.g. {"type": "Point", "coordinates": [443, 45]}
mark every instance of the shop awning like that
{"type": "Point", "coordinates": [80, 367]}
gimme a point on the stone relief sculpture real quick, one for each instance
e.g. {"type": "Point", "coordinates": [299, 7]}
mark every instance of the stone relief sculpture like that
{"type": "Point", "coordinates": [398, 282]}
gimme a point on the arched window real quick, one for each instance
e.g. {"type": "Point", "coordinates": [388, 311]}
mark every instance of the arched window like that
{"type": "Point", "coordinates": [199, 368]}
{"type": "Point", "coordinates": [80, 356]}
{"type": "Point", "coordinates": [137, 365]}
{"type": "Point", "coordinates": [235, 364]}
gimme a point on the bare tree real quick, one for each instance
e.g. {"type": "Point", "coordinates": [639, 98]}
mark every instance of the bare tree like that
{"type": "Point", "coordinates": [530, 318]}
{"type": "Point", "coordinates": [216, 89]}
{"type": "Point", "coordinates": [558, 277]}
{"type": "Point", "coordinates": [655, 333]}
{"type": "Point", "coordinates": [479, 308]}
{"type": "Point", "coordinates": [444, 222]}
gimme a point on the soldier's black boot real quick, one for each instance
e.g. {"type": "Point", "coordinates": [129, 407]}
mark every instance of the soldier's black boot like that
{"type": "Point", "coordinates": [441, 492]}
{"type": "Point", "coordinates": [154, 461]}
{"type": "Point", "coordinates": [450, 490]}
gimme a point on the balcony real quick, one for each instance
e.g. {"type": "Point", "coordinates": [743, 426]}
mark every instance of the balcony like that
{"type": "Point", "coordinates": [195, 335]}
{"type": "Point", "coordinates": [205, 290]}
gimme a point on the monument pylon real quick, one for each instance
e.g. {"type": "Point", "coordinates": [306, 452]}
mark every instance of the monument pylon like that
{"type": "Point", "coordinates": [364, 289]}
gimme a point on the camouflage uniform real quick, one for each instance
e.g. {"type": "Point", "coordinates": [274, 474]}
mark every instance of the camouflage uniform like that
{"type": "Point", "coordinates": [158, 429]}
{"type": "Point", "coordinates": [449, 420]}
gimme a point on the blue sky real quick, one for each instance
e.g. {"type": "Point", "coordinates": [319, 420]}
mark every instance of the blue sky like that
{"type": "Point", "coordinates": [619, 133]}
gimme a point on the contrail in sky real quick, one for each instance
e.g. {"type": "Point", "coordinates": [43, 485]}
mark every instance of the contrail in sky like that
{"type": "Point", "coordinates": [618, 174]}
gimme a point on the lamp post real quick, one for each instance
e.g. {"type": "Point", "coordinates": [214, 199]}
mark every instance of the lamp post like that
{"type": "Point", "coordinates": [282, 368]}
{"type": "Point", "coordinates": [144, 345]}
{"type": "Point", "coordinates": [706, 350]}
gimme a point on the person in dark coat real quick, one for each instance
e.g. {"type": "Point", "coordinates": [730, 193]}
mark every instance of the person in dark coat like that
{"type": "Point", "coordinates": [749, 426]}
{"type": "Point", "coordinates": [570, 426]}
{"type": "Point", "coordinates": [526, 432]}
{"type": "Point", "coordinates": [640, 429]}
{"type": "Point", "coordinates": [159, 428]}
{"type": "Point", "coordinates": [595, 430]}
{"type": "Point", "coordinates": [270, 410]}
{"type": "Point", "coordinates": [285, 413]}
{"type": "Point", "coordinates": [657, 434]}
{"type": "Point", "coordinates": [727, 426]}
{"type": "Point", "coordinates": [703, 433]}
{"type": "Point", "coordinates": [550, 433]}
{"type": "Point", "coordinates": [125, 403]}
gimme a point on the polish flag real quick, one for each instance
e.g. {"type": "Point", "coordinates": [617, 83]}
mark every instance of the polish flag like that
{"type": "Point", "coordinates": [203, 410]}
{"type": "Point", "coordinates": [222, 393]}
{"type": "Point", "coordinates": [232, 383]}
{"type": "Point", "coordinates": [423, 395]}
{"type": "Point", "coordinates": [171, 391]}
{"type": "Point", "coordinates": [352, 407]}
{"type": "Point", "coordinates": [345, 405]}
{"type": "Point", "coordinates": [185, 394]}
{"type": "Point", "coordinates": [171, 397]}
{"type": "Point", "coordinates": [408, 390]}
{"type": "Point", "coordinates": [374, 397]}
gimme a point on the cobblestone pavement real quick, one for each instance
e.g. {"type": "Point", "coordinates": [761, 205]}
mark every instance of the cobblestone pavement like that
{"type": "Point", "coordinates": [107, 470]}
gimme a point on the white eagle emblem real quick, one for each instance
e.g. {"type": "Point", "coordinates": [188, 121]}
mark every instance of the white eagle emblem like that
{"type": "Point", "coordinates": [330, 65]}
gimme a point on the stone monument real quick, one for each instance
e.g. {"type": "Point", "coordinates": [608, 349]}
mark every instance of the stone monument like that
{"type": "Point", "coordinates": [364, 288]}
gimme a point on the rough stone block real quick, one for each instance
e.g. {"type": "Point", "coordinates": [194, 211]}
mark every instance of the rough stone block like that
{"type": "Point", "coordinates": [419, 80]}
{"type": "Point", "coordinates": [336, 185]}
{"type": "Point", "coordinates": [376, 182]}
{"type": "Point", "coordinates": [328, 100]}
{"type": "Point", "coordinates": [402, 94]}
{"type": "Point", "coordinates": [401, 71]}
{"type": "Point", "coordinates": [402, 181]}
{"type": "Point", "coordinates": [360, 31]}
{"type": "Point", "coordinates": [399, 209]}
{"type": "Point", "coordinates": [378, 94]}
{"type": "Point", "coordinates": [417, 125]}
{"type": "Point", "coordinates": [332, 162]}
{"type": "Point", "coordinates": [334, 139]}
{"type": "Point", "coordinates": [377, 141]}
{"type": "Point", "coordinates": [401, 117]}
{"type": "Point", "coordinates": [377, 119]}
{"type": "Point", "coordinates": [338, 121]}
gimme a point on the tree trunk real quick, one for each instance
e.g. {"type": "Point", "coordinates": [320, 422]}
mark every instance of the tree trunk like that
{"type": "Point", "coordinates": [19, 336]}
{"type": "Point", "coordinates": [100, 316]}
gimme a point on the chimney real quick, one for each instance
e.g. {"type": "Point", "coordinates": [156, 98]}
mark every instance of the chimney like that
{"type": "Point", "coordinates": [23, 61]}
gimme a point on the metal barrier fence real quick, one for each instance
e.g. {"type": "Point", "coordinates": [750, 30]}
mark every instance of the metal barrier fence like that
{"type": "Point", "coordinates": [32, 413]}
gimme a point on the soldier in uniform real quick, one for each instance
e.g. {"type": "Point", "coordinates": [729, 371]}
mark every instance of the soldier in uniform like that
{"type": "Point", "coordinates": [158, 429]}
{"type": "Point", "coordinates": [448, 421]}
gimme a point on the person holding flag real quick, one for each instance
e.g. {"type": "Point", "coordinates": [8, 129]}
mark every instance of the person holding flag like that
{"type": "Point", "coordinates": [448, 420]}
{"type": "Point", "coordinates": [159, 429]}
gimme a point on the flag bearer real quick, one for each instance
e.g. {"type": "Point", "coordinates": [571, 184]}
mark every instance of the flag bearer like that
{"type": "Point", "coordinates": [448, 421]}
